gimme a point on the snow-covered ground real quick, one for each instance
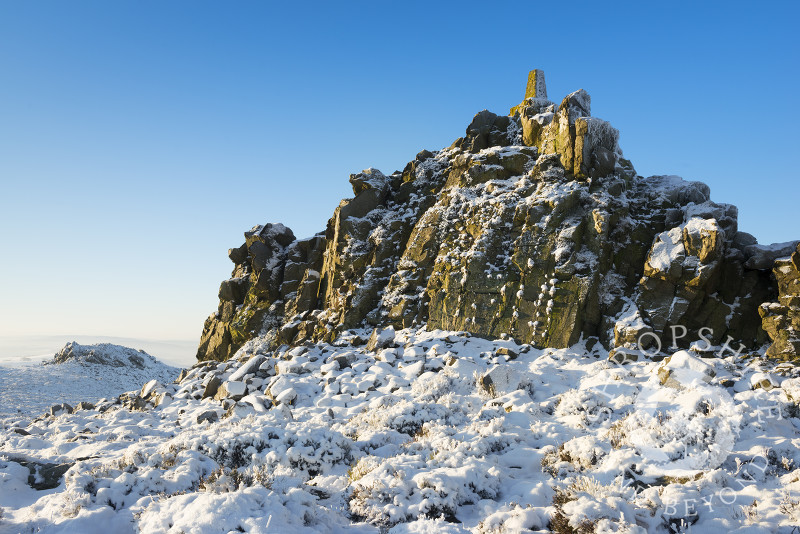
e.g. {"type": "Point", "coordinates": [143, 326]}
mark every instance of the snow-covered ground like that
{"type": "Point", "coordinates": [76, 373]}
{"type": "Point", "coordinates": [432, 432]}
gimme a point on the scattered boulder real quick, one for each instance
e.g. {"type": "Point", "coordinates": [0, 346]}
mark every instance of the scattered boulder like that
{"type": "Point", "coordinates": [132, 401]}
{"type": "Point", "coordinates": [43, 475]}
{"type": "Point", "coordinates": [149, 388]}
{"type": "Point", "coordinates": [499, 380]}
{"type": "Point", "coordinates": [250, 367]}
{"type": "Point", "coordinates": [259, 403]}
{"type": "Point", "coordinates": [342, 362]}
{"type": "Point", "coordinates": [213, 382]}
{"type": "Point", "coordinates": [266, 369]}
{"type": "Point", "coordinates": [381, 338]}
{"type": "Point", "coordinates": [286, 396]}
{"type": "Point", "coordinates": [623, 355]}
{"type": "Point", "coordinates": [183, 374]}
{"type": "Point", "coordinates": [510, 354]}
{"type": "Point", "coordinates": [231, 390]}
{"type": "Point", "coordinates": [763, 381]}
{"type": "Point", "coordinates": [62, 408]}
{"type": "Point", "coordinates": [682, 369]}
{"type": "Point", "coordinates": [209, 415]}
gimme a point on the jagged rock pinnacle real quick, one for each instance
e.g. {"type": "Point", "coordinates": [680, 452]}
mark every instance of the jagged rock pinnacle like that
{"type": "Point", "coordinates": [536, 85]}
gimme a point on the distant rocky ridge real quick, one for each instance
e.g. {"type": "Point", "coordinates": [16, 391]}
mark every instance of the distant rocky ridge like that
{"type": "Point", "coordinates": [532, 225]}
{"type": "Point", "coordinates": [103, 354]}
{"type": "Point", "coordinates": [78, 376]}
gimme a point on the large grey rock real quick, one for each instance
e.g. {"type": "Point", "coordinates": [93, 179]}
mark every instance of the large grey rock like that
{"type": "Point", "coordinates": [231, 390]}
{"type": "Point", "coordinates": [485, 130]}
{"type": "Point", "coordinates": [499, 380]}
{"type": "Point", "coordinates": [381, 338]}
{"type": "Point", "coordinates": [209, 415]}
{"type": "Point", "coordinates": [764, 256]}
{"type": "Point", "coordinates": [59, 409]}
{"type": "Point", "coordinates": [251, 298]}
{"type": "Point", "coordinates": [250, 367]}
{"type": "Point", "coordinates": [43, 475]}
{"type": "Point", "coordinates": [211, 387]}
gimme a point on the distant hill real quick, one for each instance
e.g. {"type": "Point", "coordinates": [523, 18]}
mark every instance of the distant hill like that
{"type": "Point", "coordinates": [77, 373]}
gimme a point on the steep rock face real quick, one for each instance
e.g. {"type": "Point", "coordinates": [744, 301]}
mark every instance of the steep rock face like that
{"type": "Point", "coordinates": [531, 225]}
{"type": "Point", "coordinates": [252, 298]}
{"type": "Point", "coordinates": [103, 354]}
{"type": "Point", "coordinates": [781, 319]}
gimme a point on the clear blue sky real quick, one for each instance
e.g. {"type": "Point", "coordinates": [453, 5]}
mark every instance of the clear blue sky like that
{"type": "Point", "coordinates": [139, 139]}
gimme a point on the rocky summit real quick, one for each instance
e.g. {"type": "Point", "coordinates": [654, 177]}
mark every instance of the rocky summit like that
{"type": "Point", "coordinates": [447, 357]}
{"type": "Point", "coordinates": [534, 226]}
{"type": "Point", "coordinates": [103, 354]}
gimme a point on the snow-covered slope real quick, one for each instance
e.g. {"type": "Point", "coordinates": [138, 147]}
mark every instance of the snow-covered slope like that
{"type": "Point", "coordinates": [76, 373]}
{"type": "Point", "coordinates": [425, 432]}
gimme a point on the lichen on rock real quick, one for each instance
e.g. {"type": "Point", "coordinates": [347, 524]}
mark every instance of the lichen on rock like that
{"type": "Point", "coordinates": [781, 319]}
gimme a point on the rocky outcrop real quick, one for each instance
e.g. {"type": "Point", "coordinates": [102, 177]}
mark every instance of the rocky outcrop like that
{"type": "Point", "coordinates": [532, 225]}
{"type": "Point", "coordinates": [781, 319]}
{"type": "Point", "coordinates": [103, 354]}
{"type": "Point", "coordinates": [253, 298]}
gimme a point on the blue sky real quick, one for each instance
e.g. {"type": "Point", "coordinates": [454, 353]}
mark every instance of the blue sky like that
{"type": "Point", "coordinates": [138, 140]}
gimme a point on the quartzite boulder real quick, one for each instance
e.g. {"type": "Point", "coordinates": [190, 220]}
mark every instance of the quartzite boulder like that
{"type": "Point", "coordinates": [531, 225]}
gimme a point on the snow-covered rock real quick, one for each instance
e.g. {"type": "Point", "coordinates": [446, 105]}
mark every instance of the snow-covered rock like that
{"type": "Point", "coordinates": [499, 380]}
{"type": "Point", "coordinates": [682, 369]}
{"type": "Point", "coordinates": [104, 354]}
{"type": "Point", "coordinates": [231, 389]}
